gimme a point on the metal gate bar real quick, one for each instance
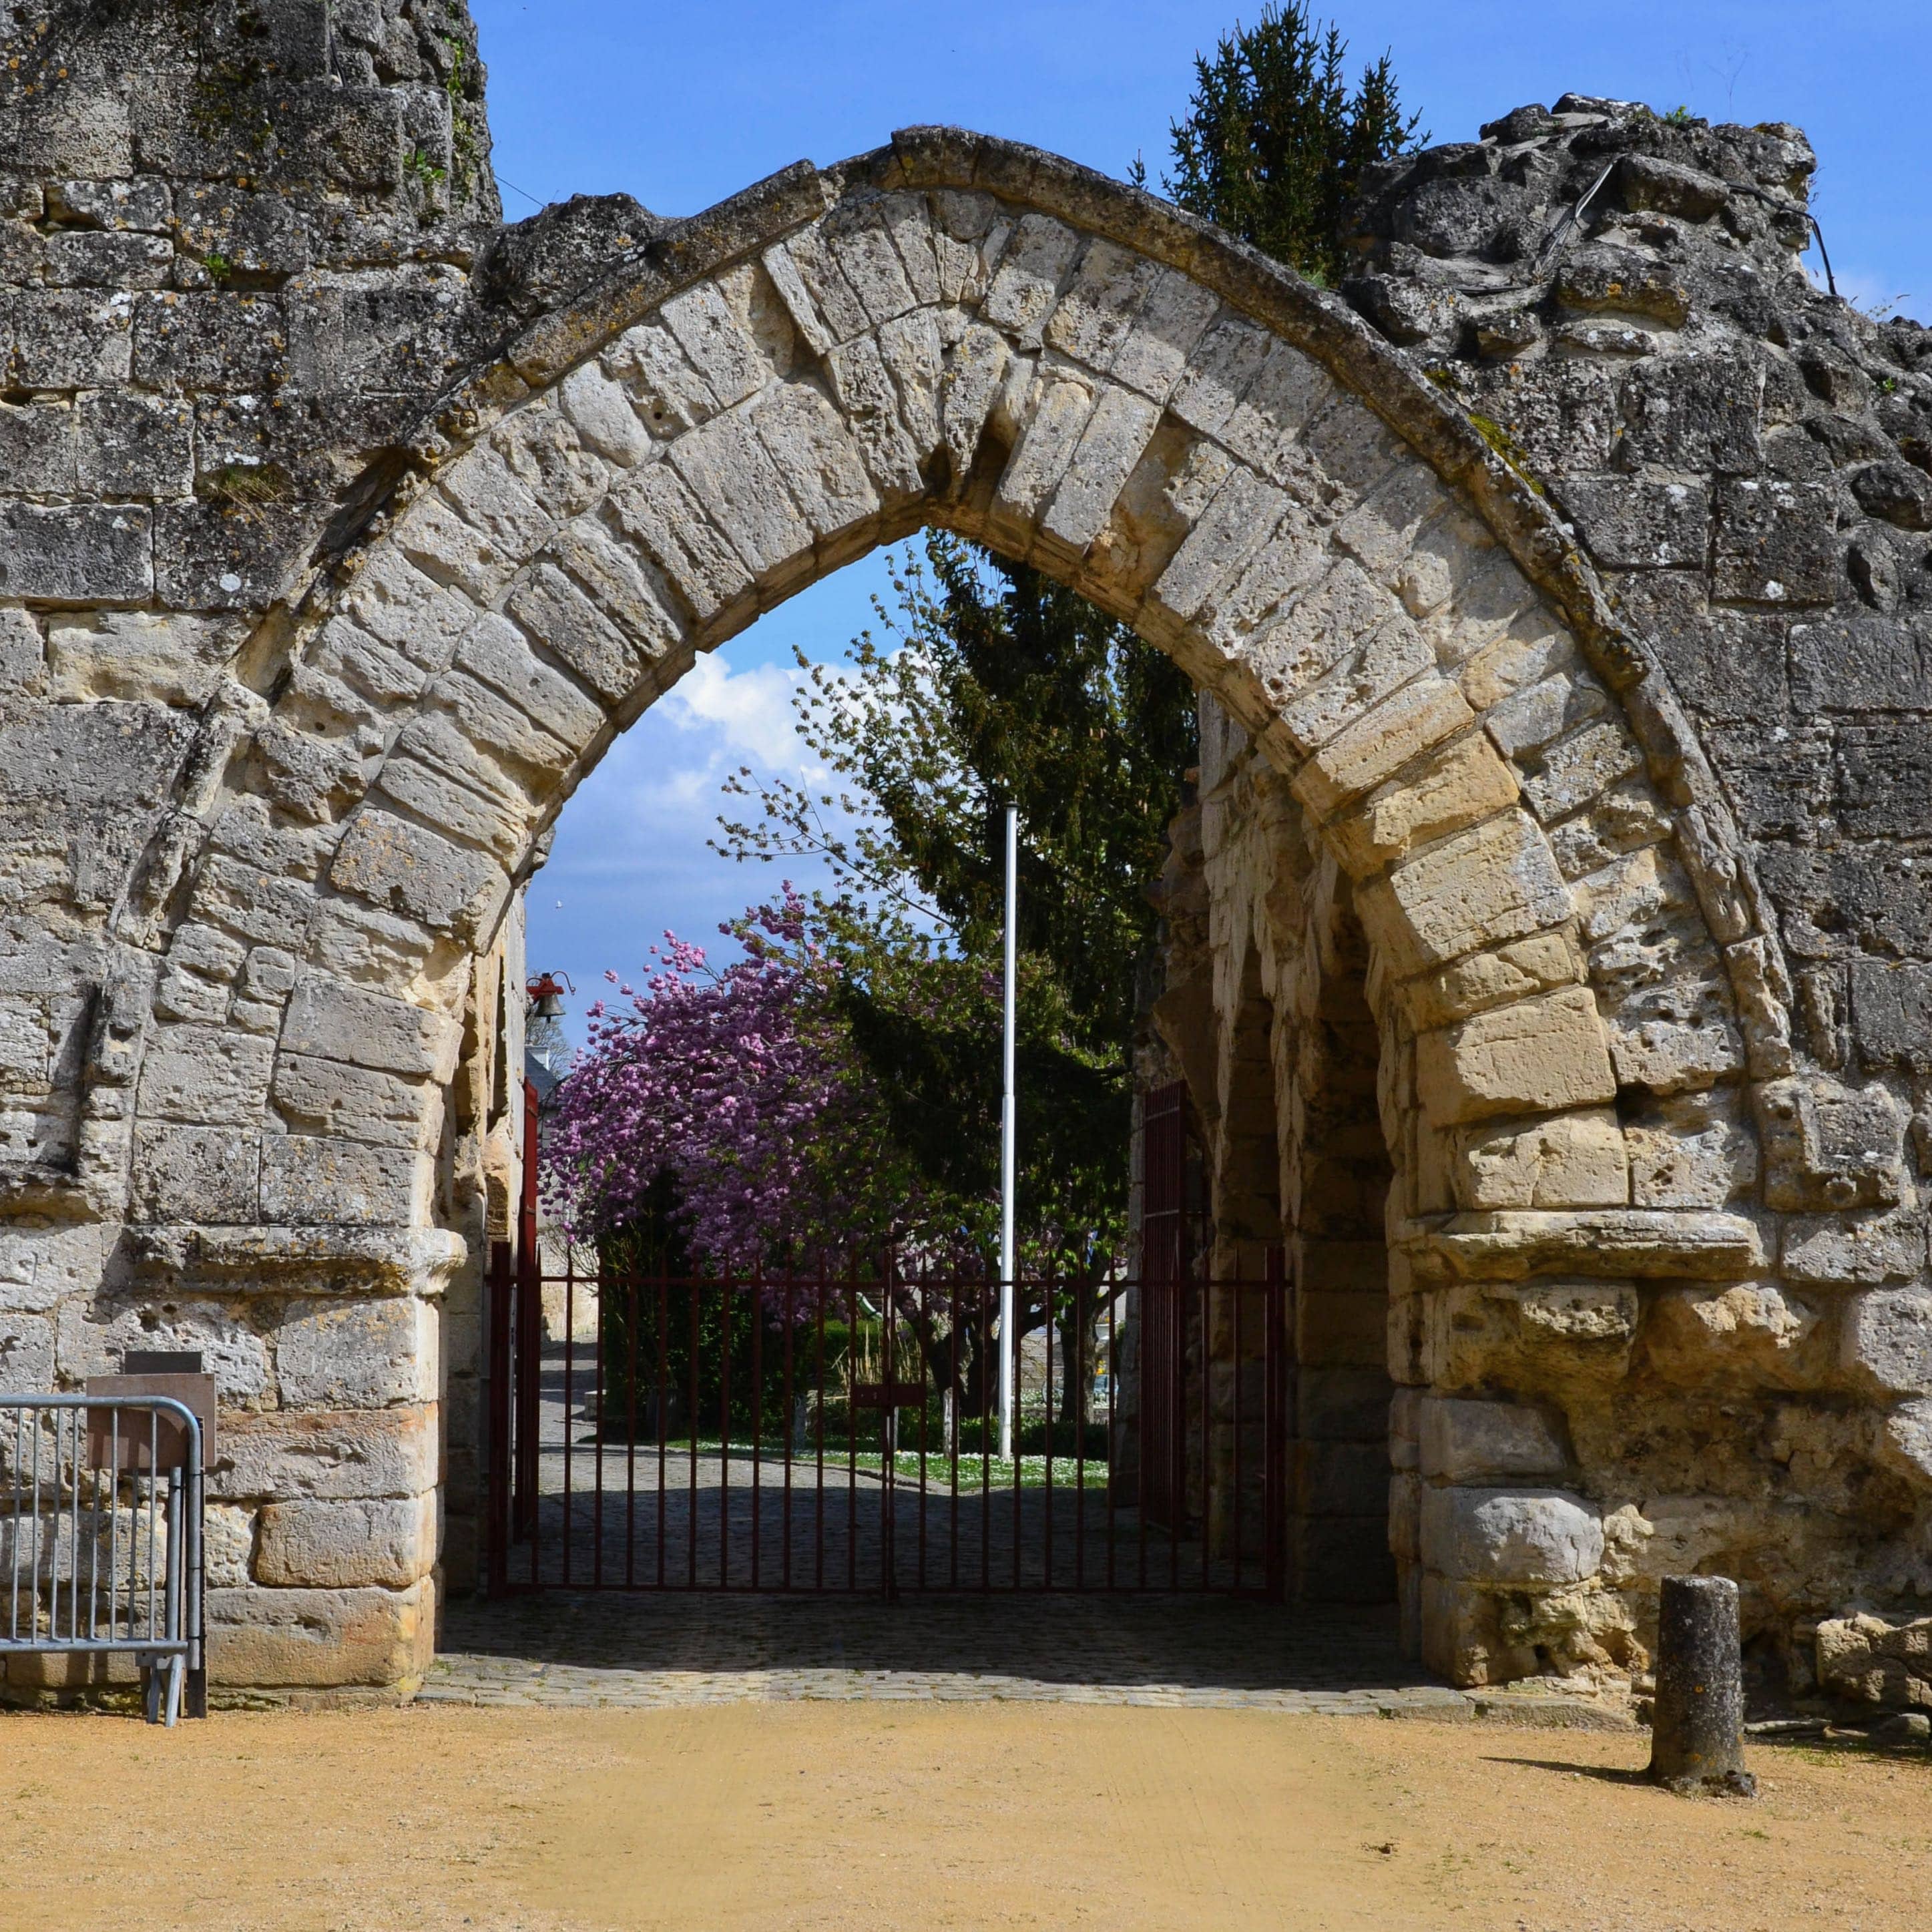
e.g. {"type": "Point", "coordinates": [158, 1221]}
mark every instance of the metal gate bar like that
{"type": "Point", "coordinates": [681, 1440]}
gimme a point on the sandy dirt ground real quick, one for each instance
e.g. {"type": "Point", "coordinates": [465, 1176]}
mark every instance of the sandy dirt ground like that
{"type": "Point", "coordinates": [734, 1817]}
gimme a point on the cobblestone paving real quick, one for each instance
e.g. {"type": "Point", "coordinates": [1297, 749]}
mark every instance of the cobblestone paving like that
{"type": "Point", "coordinates": [582, 1650]}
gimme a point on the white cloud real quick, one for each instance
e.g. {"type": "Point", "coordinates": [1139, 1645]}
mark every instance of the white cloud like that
{"type": "Point", "coordinates": [748, 712]}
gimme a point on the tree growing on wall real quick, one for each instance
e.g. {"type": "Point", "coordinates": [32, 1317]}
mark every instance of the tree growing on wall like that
{"type": "Point", "coordinates": [1274, 146]}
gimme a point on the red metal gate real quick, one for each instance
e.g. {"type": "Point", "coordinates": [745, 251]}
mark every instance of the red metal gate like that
{"type": "Point", "coordinates": [800, 1432]}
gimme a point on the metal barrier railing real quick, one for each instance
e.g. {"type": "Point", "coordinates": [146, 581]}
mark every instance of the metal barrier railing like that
{"type": "Point", "coordinates": [101, 1537]}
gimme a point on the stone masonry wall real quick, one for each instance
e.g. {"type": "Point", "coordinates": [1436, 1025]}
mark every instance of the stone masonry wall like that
{"type": "Point", "coordinates": [345, 531]}
{"type": "Point", "coordinates": [1744, 458]}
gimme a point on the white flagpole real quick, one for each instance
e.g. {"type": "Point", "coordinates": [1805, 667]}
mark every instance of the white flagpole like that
{"type": "Point", "coordinates": [1008, 1342]}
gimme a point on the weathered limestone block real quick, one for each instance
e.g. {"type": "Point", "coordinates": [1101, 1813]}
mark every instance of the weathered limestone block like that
{"type": "Point", "coordinates": [540, 449]}
{"type": "Point", "coordinates": [315, 1640]}
{"type": "Point", "coordinates": [1674, 1536]}
{"type": "Point", "coordinates": [1695, 1045]}
{"type": "Point", "coordinates": [1495, 978]}
{"type": "Point", "coordinates": [1755, 1327]}
{"type": "Point", "coordinates": [1462, 1636]}
{"type": "Point", "coordinates": [358, 1354]}
{"type": "Point", "coordinates": [324, 1096]}
{"type": "Point", "coordinates": [1498, 881]}
{"type": "Point", "coordinates": [600, 411]}
{"type": "Point", "coordinates": [1059, 404]}
{"type": "Point", "coordinates": [496, 505]}
{"type": "Point", "coordinates": [313, 1178]}
{"type": "Point", "coordinates": [338, 1021]}
{"type": "Point", "coordinates": [559, 616]}
{"type": "Point", "coordinates": [435, 538]}
{"type": "Point", "coordinates": [26, 1352]}
{"type": "Point", "coordinates": [731, 475]}
{"type": "Point", "coordinates": [1826, 1146]}
{"type": "Point", "coordinates": [668, 392]}
{"type": "Point", "coordinates": [345, 1545]}
{"type": "Point", "coordinates": [1097, 311]}
{"type": "Point", "coordinates": [1891, 1014]}
{"type": "Point", "coordinates": [1296, 614]}
{"type": "Point", "coordinates": [1482, 1334]}
{"type": "Point", "coordinates": [1563, 1160]}
{"type": "Point", "coordinates": [1627, 816]}
{"type": "Point", "coordinates": [137, 654]}
{"type": "Point", "coordinates": [1691, 1151]}
{"type": "Point", "coordinates": [407, 869]}
{"type": "Point", "coordinates": [1541, 1054]}
{"type": "Point", "coordinates": [1025, 289]}
{"type": "Point", "coordinates": [1854, 1248]}
{"type": "Point", "coordinates": [1524, 1536]}
{"type": "Point", "coordinates": [658, 512]}
{"type": "Point", "coordinates": [1378, 744]}
{"type": "Point", "coordinates": [1510, 1244]}
{"type": "Point", "coordinates": [426, 788]}
{"type": "Point", "coordinates": [1775, 543]}
{"type": "Point", "coordinates": [1115, 436]}
{"type": "Point", "coordinates": [496, 653]}
{"type": "Point", "coordinates": [94, 1335]}
{"type": "Point", "coordinates": [411, 613]}
{"type": "Point", "coordinates": [1466, 783]}
{"type": "Point", "coordinates": [892, 408]}
{"type": "Point", "coordinates": [1464, 1441]}
{"type": "Point", "coordinates": [228, 1545]}
{"type": "Point", "coordinates": [1881, 1661]}
{"type": "Point", "coordinates": [821, 462]}
{"type": "Point", "coordinates": [1907, 1441]}
{"type": "Point", "coordinates": [197, 1174]}
{"type": "Point", "coordinates": [1887, 1340]}
{"type": "Point", "coordinates": [359, 1453]}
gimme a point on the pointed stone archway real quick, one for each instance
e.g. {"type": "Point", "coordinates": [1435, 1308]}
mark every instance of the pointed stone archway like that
{"type": "Point", "coordinates": [960, 331]}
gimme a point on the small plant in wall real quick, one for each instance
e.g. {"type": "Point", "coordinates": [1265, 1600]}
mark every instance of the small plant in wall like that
{"type": "Point", "coordinates": [243, 489]}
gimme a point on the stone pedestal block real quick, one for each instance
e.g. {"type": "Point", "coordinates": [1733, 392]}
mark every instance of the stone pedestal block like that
{"type": "Point", "coordinates": [306, 1640]}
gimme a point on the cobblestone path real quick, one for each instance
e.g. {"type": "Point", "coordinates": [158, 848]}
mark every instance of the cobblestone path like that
{"type": "Point", "coordinates": [580, 1649]}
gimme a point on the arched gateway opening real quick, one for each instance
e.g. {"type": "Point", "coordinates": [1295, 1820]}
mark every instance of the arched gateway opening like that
{"type": "Point", "coordinates": [1388, 631]}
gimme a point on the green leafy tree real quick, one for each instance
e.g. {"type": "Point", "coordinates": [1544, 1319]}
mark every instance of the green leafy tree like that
{"type": "Point", "coordinates": [1274, 145]}
{"type": "Point", "coordinates": [992, 684]}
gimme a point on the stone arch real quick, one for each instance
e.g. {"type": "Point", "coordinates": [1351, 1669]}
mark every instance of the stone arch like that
{"type": "Point", "coordinates": [961, 332]}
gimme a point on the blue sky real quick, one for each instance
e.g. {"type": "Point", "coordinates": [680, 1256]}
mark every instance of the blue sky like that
{"type": "Point", "coordinates": [681, 105]}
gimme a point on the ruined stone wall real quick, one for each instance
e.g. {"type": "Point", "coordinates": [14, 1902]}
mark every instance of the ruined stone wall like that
{"type": "Point", "coordinates": [235, 253]}
{"type": "Point", "coordinates": [1744, 458]}
{"type": "Point", "coordinates": [430, 513]}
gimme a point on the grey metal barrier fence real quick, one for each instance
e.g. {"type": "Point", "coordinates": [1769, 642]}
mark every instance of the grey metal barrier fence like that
{"type": "Point", "coordinates": [101, 1537]}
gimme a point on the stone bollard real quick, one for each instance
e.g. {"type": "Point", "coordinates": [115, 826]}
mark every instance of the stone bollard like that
{"type": "Point", "coordinates": [1697, 1726]}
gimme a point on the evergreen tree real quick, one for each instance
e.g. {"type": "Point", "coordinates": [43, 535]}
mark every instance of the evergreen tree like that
{"type": "Point", "coordinates": [1274, 146]}
{"type": "Point", "coordinates": [993, 684]}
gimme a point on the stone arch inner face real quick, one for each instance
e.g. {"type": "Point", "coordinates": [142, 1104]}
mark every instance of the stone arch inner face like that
{"type": "Point", "coordinates": [1265, 958]}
